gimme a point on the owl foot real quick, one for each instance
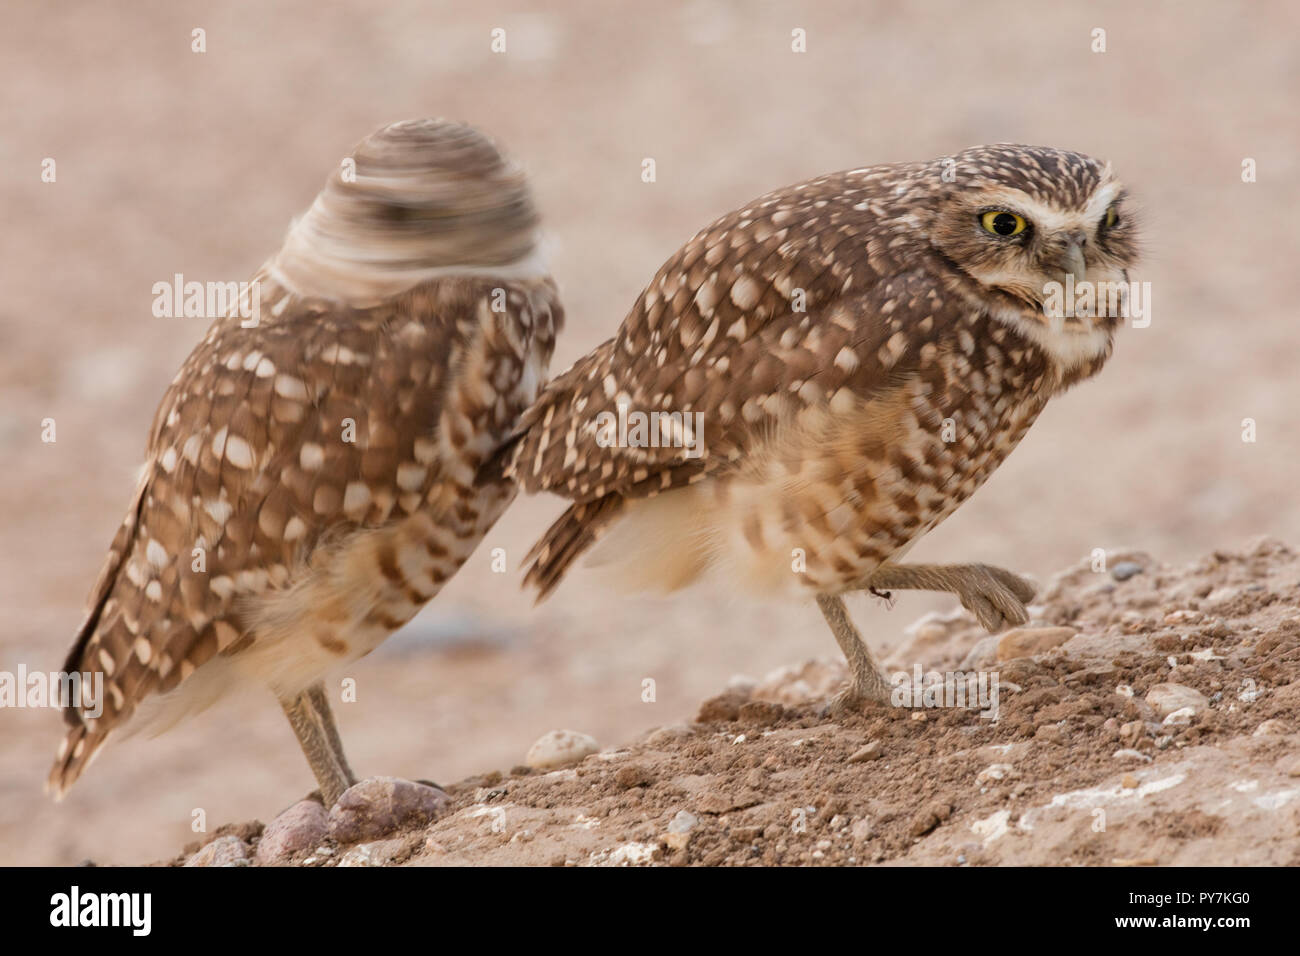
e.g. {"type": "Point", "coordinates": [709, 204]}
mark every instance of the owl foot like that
{"type": "Point", "coordinates": [313, 723]}
{"type": "Point", "coordinates": [849, 702]}
{"type": "Point", "coordinates": [868, 684]}
{"type": "Point", "coordinates": [994, 595]}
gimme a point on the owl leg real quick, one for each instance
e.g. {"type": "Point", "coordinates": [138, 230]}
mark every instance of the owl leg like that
{"type": "Point", "coordinates": [315, 743]}
{"type": "Point", "coordinates": [868, 684]}
{"type": "Point", "coordinates": [995, 596]}
{"type": "Point", "coordinates": [321, 703]}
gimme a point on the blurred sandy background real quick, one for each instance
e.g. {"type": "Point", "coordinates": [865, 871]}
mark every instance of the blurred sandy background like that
{"type": "Point", "coordinates": [170, 161]}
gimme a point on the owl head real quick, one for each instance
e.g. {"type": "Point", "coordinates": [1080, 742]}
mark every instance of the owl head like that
{"type": "Point", "coordinates": [413, 201]}
{"type": "Point", "coordinates": [1026, 222]}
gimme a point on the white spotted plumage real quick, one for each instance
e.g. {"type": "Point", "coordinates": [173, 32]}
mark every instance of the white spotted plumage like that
{"type": "Point", "coordinates": [316, 476]}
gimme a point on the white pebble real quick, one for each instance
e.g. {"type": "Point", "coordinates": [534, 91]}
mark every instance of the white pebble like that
{"type": "Point", "coordinates": [683, 823]}
{"type": "Point", "coordinates": [1165, 699]}
{"type": "Point", "coordinates": [558, 748]}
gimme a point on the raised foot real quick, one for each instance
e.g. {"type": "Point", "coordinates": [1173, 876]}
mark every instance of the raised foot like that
{"type": "Point", "coordinates": [995, 596]}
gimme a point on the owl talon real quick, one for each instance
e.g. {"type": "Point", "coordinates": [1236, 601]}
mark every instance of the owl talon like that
{"type": "Point", "coordinates": [1022, 588]}
{"type": "Point", "coordinates": [995, 596]}
{"type": "Point", "coordinates": [850, 701]}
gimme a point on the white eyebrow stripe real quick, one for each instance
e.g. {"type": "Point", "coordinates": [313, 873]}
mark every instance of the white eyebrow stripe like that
{"type": "Point", "coordinates": [1051, 218]}
{"type": "Point", "coordinates": [1101, 200]}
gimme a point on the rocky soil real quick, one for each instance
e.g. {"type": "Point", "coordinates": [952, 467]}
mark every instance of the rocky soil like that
{"type": "Point", "coordinates": [1147, 715]}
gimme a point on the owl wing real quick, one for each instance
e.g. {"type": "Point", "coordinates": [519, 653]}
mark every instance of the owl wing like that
{"type": "Point", "coordinates": [774, 306]}
{"type": "Point", "coordinates": [718, 336]}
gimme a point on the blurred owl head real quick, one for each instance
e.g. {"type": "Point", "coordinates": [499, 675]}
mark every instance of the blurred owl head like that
{"type": "Point", "coordinates": [1024, 222]}
{"type": "Point", "coordinates": [415, 200]}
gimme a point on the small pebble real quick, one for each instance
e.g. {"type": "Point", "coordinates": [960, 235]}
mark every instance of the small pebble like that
{"type": "Point", "coordinates": [929, 818]}
{"type": "Point", "coordinates": [299, 828]}
{"type": "Point", "coordinates": [1270, 728]}
{"type": "Point", "coordinates": [377, 806]}
{"type": "Point", "coordinates": [1125, 570]}
{"type": "Point", "coordinates": [683, 822]}
{"type": "Point", "coordinates": [223, 851]}
{"type": "Point", "coordinates": [559, 748]}
{"type": "Point", "coordinates": [872, 751]}
{"type": "Point", "coordinates": [1129, 753]}
{"type": "Point", "coordinates": [371, 854]}
{"type": "Point", "coordinates": [983, 654]}
{"type": "Point", "coordinates": [1165, 699]}
{"type": "Point", "coordinates": [1031, 641]}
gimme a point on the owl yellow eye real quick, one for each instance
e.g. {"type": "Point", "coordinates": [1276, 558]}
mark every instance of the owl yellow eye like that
{"type": "Point", "coordinates": [1002, 223]}
{"type": "Point", "coordinates": [1112, 216]}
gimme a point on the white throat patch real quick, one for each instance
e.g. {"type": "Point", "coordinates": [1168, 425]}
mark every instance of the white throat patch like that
{"type": "Point", "coordinates": [1067, 347]}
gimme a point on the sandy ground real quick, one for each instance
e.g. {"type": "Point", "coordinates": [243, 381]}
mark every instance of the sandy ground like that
{"type": "Point", "coordinates": [1146, 716]}
{"type": "Point", "coordinates": [170, 161]}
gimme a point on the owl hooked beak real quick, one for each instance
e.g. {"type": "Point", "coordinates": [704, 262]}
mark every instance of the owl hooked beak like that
{"type": "Point", "coordinates": [1072, 261]}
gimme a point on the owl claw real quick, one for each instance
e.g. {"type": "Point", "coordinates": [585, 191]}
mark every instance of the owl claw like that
{"type": "Point", "coordinates": [848, 702]}
{"type": "Point", "coordinates": [997, 598]}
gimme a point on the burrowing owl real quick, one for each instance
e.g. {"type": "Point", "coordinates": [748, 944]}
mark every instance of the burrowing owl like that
{"type": "Point", "coordinates": [834, 368]}
{"type": "Point", "coordinates": [311, 481]}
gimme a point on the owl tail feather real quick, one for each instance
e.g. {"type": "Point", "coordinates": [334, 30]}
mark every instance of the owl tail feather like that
{"type": "Point", "coordinates": [565, 541]}
{"type": "Point", "coordinates": [79, 748]}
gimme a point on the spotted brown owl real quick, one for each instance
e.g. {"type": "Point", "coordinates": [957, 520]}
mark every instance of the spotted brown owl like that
{"type": "Point", "coordinates": [820, 377]}
{"type": "Point", "coordinates": [315, 474]}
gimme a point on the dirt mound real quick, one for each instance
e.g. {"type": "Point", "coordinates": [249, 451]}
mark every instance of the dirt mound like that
{"type": "Point", "coordinates": [1147, 715]}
